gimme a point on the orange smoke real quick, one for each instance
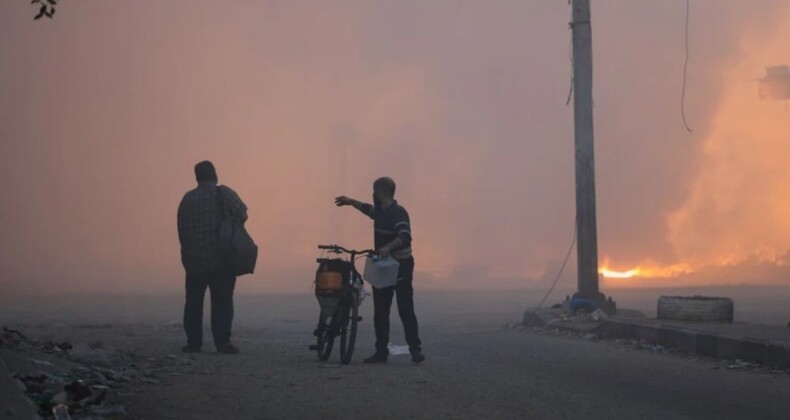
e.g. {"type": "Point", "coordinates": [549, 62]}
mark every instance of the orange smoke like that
{"type": "Point", "coordinates": [738, 207]}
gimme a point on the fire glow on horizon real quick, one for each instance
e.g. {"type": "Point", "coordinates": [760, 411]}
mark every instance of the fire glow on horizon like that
{"type": "Point", "coordinates": [619, 274]}
{"type": "Point", "coordinates": [647, 271]}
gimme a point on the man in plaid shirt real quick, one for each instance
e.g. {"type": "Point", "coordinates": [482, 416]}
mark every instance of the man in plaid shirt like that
{"type": "Point", "coordinates": [199, 215]}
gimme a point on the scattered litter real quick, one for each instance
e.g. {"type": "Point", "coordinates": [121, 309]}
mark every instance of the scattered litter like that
{"type": "Point", "coordinates": [397, 350]}
{"type": "Point", "coordinates": [655, 348]}
{"type": "Point", "coordinates": [80, 389]}
{"type": "Point", "coordinates": [11, 338]}
{"type": "Point", "coordinates": [590, 337]}
{"type": "Point", "coordinates": [598, 315]}
{"type": "Point", "coordinates": [61, 412]}
{"type": "Point", "coordinates": [55, 348]}
{"type": "Point", "coordinates": [739, 364]}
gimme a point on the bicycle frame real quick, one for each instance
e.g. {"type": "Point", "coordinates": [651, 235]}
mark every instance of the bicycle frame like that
{"type": "Point", "coordinates": [343, 320]}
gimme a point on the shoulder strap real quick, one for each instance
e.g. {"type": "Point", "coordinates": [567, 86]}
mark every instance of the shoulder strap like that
{"type": "Point", "coordinates": [220, 204]}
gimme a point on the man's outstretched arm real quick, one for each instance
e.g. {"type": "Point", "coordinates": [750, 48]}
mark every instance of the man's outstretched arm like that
{"type": "Point", "coordinates": [364, 208]}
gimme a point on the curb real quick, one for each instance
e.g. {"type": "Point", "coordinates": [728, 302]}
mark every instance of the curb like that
{"type": "Point", "coordinates": [698, 342]}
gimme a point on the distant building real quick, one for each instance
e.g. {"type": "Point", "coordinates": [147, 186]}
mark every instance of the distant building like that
{"type": "Point", "coordinates": [776, 83]}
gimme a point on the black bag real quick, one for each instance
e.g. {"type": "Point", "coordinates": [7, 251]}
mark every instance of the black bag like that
{"type": "Point", "coordinates": [236, 246]}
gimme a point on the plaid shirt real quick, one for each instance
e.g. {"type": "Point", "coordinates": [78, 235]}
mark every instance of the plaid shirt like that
{"type": "Point", "coordinates": [198, 225]}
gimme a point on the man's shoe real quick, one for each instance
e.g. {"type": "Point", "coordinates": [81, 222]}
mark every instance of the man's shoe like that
{"type": "Point", "coordinates": [417, 357]}
{"type": "Point", "coordinates": [227, 349]}
{"type": "Point", "coordinates": [378, 357]}
{"type": "Point", "coordinates": [190, 349]}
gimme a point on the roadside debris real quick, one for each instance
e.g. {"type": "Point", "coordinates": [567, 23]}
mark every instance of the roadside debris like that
{"type": "Point", "coordinates": [80, 386]}
{"type": "Point", "coordinates": [655, 348]}
{"type": "Point", "coordinates": [562, 314]}
{"type": "Point", "coordinates": [598, 315]}
{"type": "Point", "coordinates": [650, 346]}
{"type": "Point", "coordinates": [11, 338]}
{"type": "Point", "coordinates": [739, 364]}
{"type": "Point", "coordinates": [65, 394]}
{"type": "Point", "coordinates": [61, 412]}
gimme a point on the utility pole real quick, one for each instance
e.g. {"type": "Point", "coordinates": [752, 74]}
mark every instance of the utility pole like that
{"type": "Point", "coordinates": [586, 223]}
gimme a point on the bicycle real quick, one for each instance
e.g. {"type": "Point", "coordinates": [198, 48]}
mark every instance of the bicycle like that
{"type": "Point", "coordinates": [337, 287]}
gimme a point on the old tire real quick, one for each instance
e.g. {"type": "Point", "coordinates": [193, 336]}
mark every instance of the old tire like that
{"type": "Point", "coordinates": [695, 308]}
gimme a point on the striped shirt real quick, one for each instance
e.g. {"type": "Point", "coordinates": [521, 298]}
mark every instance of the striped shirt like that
{"type": "Point", "coordinates": [390, 224]}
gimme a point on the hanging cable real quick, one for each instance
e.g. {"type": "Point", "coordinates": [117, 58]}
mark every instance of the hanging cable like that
{"type": "Point", "coordinates": [685, 71]}
{"type": "Point", "coordinates": [570, 55]}
{"type": "Point", "coordinates": [570, 90]}
{"type": "Point", "coordinates": [562, 268]}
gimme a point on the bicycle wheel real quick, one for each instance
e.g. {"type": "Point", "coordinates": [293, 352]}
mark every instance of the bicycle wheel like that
{"type": "Point", "coordinates": [348, 337]}
{"type": "Point", "coordinates": [326, 340]}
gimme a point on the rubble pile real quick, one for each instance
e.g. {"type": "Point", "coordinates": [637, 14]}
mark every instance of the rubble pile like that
{"type": "Point", "coordinates": [80, 377]}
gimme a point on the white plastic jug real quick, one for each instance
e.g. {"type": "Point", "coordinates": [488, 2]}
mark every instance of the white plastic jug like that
{"type": "Point", "coordinates": [381, 272]}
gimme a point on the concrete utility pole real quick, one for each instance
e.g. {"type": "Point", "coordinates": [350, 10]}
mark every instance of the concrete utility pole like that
{"type": "Point", "coordinates": [586, 224]}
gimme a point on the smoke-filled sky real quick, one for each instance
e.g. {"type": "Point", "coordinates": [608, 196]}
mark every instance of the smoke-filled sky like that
{"type": "Point", "coordinates": [105, 109]}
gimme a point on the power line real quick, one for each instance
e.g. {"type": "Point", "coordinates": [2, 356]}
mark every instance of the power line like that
{"type": "Point", "coordinates": [570, 89]}
{"type": "Point", "coordinates": [685, 71]}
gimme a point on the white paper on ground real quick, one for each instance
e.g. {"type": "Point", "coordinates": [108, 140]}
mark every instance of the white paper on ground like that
{"type": "Point", "coordinates": [397, 350]}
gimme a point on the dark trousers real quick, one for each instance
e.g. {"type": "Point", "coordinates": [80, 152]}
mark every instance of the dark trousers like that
{"type": "Point", "coordinates": [221, 285]}
{"type": "Point", "coordinates": [382, 302]}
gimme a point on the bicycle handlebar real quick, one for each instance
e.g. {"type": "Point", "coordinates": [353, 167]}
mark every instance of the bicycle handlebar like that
{"type": "Point", "coordinates": [339, 249]}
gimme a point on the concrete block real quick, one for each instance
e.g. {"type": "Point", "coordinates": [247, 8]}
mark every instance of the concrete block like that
{"type": "Point", "coordinates": [695, 308]}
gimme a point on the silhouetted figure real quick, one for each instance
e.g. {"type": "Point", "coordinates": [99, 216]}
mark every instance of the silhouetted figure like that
{"type": "Point", "coordinates": [392, 238]}
{"type": "Point", "coordinates": [199, 215]}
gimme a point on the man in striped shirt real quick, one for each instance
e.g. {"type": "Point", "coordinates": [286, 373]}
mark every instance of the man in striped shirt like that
{"type": "Point", "coordinates": [392, 239]}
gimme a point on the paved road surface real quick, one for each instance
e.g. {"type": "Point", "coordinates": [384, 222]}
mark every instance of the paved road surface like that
{"type": "Point", "coordinates": [476, 369]}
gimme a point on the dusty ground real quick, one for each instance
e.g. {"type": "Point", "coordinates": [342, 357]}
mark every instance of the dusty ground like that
{"type": "Point", "coordinates": [477, 368]}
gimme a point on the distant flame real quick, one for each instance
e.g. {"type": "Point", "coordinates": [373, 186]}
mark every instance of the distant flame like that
{"type": "Point", "coordinates": [619, 274]}
{"type": "Point", "coordinates": [647, 271]}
